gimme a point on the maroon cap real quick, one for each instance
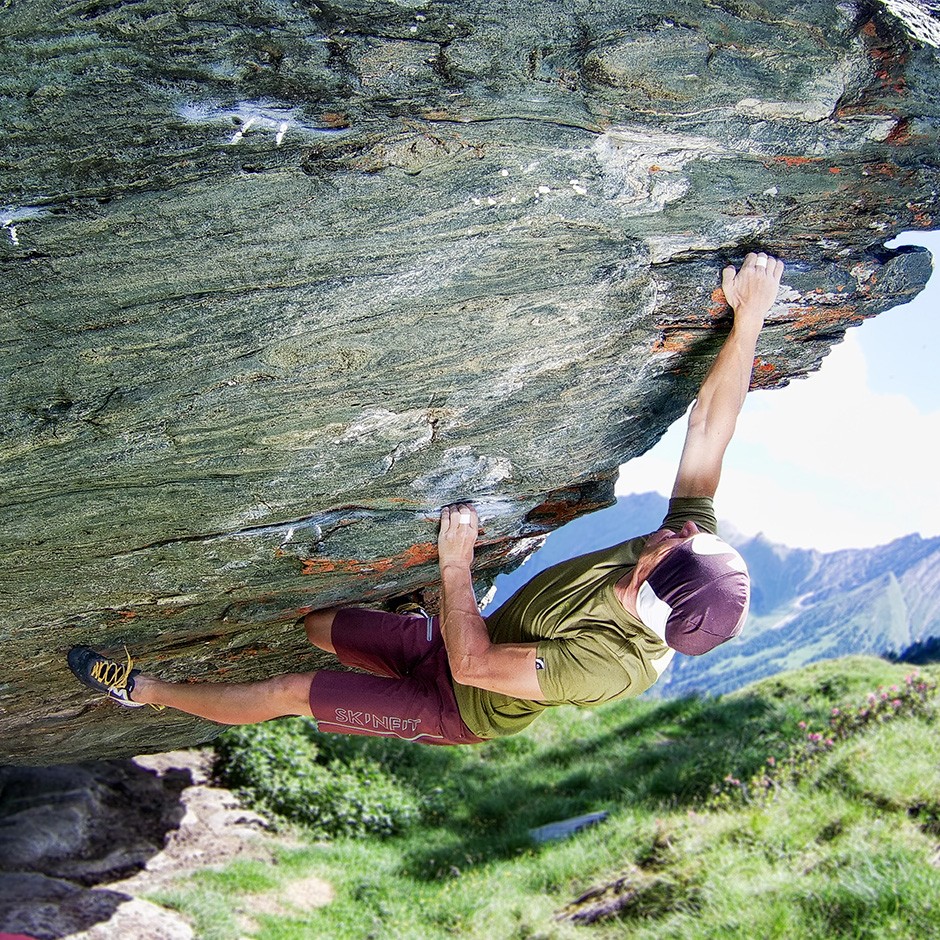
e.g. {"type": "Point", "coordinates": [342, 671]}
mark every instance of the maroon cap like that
{"type": "Point", "coordinates": [697, 596]}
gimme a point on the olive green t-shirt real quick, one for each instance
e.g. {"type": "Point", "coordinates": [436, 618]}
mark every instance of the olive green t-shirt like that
{"type": "Point", "coordinates": [590, 649]}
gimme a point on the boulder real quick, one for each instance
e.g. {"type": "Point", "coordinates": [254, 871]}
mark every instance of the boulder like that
{"type": "Point", "coordinates": [281, 280]}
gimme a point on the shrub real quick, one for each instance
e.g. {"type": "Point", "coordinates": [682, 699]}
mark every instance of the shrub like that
{"type": "Point", "coordinates": [884, 705]}
{"type": "Point", "coordinates": [277, 768]}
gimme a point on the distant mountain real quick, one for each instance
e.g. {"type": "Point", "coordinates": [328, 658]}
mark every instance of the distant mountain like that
{"type": "Point", "coordinates": [631, 516]}
{"type": "Point", "coordinates": [805, 605]}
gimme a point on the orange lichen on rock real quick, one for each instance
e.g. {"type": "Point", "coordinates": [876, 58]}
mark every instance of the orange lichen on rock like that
{"type": "Point", "coordinates": [922, 218]}
{"type": "Point", "coordinates": [334, 119]}
{"type": "Point", "coordinates": [900, 133]}
{"type": "Point", "coordinates": [719, 303]}
{"type": "Point", "coordinates": [555, 513]}
{"type": "Point", "coordinates": [764, 374]}
{"type": "Point", "coordinates": [673, 341]}
{"type": "Point", "coordinates": [420, 554]}
{"type": "Point", "coordinates": [796, 161]}
{"type": "Point", "coordinates": [317, 566]}
{"type": "Point", "coordinates": [824, 319]}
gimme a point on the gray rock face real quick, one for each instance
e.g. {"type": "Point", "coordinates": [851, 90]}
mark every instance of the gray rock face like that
{"type": "Point", "coordinates": [282, 279]}
{"type": "Point", "coordinates": [81, 841]}
{"type": "Point", "coordinates": [50, 908]}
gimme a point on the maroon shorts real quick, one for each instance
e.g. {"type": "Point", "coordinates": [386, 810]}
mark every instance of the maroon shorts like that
{"type": "Point", "coordinates": [410, 693]}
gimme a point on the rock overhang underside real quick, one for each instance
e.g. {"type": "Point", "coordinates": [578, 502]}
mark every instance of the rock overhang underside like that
{"type": "Point", "coordinates": [281, 280]}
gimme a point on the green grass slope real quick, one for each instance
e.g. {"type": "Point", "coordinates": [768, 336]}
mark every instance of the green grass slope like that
{"type": "Point", "coordinates": [803, 806]}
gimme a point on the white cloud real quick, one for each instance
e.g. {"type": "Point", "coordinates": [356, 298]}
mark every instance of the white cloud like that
{"type": "Point", "coordinates": [824, 463]}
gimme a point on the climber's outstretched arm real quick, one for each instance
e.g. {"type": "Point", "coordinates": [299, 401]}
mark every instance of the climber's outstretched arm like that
{"type": "Point", "coordinates": [751, 293]}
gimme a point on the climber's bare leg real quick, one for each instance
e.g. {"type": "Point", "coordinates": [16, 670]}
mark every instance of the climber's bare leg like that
{"type": "Point", "coordinates": [319, 627]}
{"type": "Point", "coordinates": [231, 703]}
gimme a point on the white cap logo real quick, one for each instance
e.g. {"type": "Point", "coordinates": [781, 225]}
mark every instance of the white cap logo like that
{"type": "Point", "coordinates": [706, 544]}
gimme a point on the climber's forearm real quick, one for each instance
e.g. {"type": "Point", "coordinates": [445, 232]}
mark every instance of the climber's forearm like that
{"type": "Point", "coordinates": [751, 293]}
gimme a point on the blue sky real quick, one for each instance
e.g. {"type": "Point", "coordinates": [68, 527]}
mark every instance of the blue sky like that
{"type": "Point", "coordinates": [847, 457]}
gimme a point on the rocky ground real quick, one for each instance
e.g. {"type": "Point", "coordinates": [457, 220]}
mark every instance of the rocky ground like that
{"type": "Point", "coordinates": [84, 844]}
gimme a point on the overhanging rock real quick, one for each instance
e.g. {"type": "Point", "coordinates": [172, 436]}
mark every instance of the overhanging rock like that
{"type": "Point", "coordinates": [282, 279]}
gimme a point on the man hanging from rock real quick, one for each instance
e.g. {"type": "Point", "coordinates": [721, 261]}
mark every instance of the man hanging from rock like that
{"type": "Point", "coordinates": [599, 627]}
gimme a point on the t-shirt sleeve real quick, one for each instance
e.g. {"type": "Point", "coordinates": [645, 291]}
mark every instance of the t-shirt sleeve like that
{"type": "Point", "coordinates": [586, 670]}
{"type": "Point", "coordinates": [697, 509]}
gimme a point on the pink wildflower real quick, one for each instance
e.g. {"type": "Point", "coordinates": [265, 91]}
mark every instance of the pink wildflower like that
{"type": "Point", "coordinates": [835, 712]}
{"type": "Point", "coordinates": [896, 703]}
{"type": "Point", "coordinates": [802, 726]}
{"type": "Point", "coordinates": [772, 761]}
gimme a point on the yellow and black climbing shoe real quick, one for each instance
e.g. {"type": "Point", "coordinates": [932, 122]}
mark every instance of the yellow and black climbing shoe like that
{"type": "Point", "coordinates": [104, 675]}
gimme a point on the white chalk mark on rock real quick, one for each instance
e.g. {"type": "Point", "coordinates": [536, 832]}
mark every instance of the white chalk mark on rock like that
{"type": "Point", "coordinates": [250, 116]}
{"type": "Point", "coordinates": [240, 133]}
{"type": "Point", "coordinates": [461, 473]}
{"type": "Point", "coordinates": [644, 170]}
{"type": "Point", "coordinates": [10, 215]}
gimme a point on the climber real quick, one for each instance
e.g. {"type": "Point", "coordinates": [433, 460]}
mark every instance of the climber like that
{"type": "Point", "coordinates": [589, 630]}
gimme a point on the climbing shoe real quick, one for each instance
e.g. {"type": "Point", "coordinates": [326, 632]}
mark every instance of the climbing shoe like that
{"type": "Point", "coordinates": [104, 675]}
{"type": "Point", "coordinates": [407, 604]}
{"type": "Point", "coordinates": [412, 609]}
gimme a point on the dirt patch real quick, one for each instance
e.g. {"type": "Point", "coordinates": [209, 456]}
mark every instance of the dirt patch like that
{"type": "Point", "coordinates": [295, 897]}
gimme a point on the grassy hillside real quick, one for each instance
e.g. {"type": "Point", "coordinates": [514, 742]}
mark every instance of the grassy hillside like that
{"type": "Point", "coordinates": [764, 813]}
